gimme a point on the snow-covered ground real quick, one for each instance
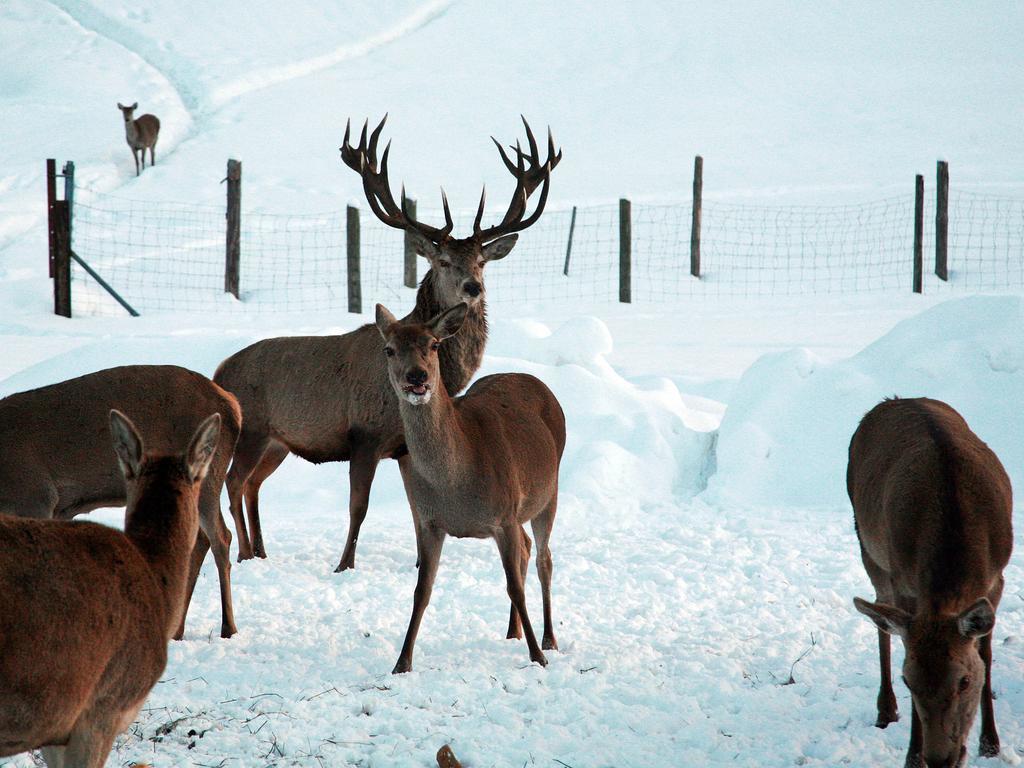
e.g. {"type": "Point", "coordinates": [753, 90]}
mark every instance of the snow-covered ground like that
{"type": "Point", "coordinates": [705, 559]}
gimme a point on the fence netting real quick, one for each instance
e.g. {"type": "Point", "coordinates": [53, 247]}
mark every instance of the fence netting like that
{"type": "Point", "coordinates": [170, 256]}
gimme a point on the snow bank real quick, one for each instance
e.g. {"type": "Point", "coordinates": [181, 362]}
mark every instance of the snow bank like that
{"type": "Point", "coordinates": [785, 434]}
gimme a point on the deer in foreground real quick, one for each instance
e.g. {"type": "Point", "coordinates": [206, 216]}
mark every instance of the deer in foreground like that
{"type": "Point", "coordinates": [56, 462]}
{"type": "Point", "coordinates": [932, 507]}
{"type": "Point", "coordinates": [481, 465]}
{"type": "Point", "coordinates": [327, 398]}
{"type": "Point", "coordinates": [141, 134]}
{"type": "Point", "coordinates": [86, 611]}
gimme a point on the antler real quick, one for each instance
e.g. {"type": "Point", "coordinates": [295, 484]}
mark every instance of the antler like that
{"type": "Point", "coordinates": [363, 160]}
{"type": "Point", "coordinates": [527, 180]}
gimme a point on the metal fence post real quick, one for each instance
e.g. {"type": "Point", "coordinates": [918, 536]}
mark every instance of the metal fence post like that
{"type": "Point", "coordinates": [568, 247]}
{"type": "Point", "coordinates": [355, 291]}
{"type": "Point", "coordinates": [918, 234]}
{"type": "Point", "coordinates": [625, 252]}
{"type": "Point", "coordinates": [698, 192]}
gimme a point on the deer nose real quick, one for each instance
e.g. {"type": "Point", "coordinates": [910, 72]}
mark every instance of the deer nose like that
{"type": "Point", "coordinates": [473, 288]}
{"type": "Point", "coordinates": [416, 377]}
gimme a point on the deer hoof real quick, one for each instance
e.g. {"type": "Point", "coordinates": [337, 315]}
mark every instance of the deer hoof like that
{"type": "Point", "coordinates": [402, 667]}
{"type": "Point", "coordinates": [343, 566]}
{"type": "Point", "coordinates": [549, 644]}
{"type": "Point", "coordinates": [227, 630]}
{"type": "Point", "coordinates": [988, 746]}
{"type": "Point", "coordinates": [540, 658]}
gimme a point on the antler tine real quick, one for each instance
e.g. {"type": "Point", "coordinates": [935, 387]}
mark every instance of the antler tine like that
{"type": "Point", "coordinates": [448, 223]}
{"type": "Point", "coordinates": [534, 153]}
{"type": "Point", "coordinates": [480, 212]}
{"type": "Point", "coordinates": [508, 163]}
{"type": "Point", "coordinates": [377, 187]}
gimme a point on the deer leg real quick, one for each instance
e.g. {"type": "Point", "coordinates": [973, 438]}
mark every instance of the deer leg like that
{"type": "Point", "coordinates": [510, 543]}
{"type": "Point", "coordinates": [272, 458]}
{"type": "Point", "coordinates": [152, 156]}
{"type": "Point", "coordinates": [199, 550]}
{"type": "Point", "coordinates": [515, 629]}
{"type": "Point", "coordinates": [248, 453]}
{"type": "Point", "coordinates": [361, 469]}
{"type": "Point", "coordinates": [135, 154]}
{"type": "Point", "coordinates": [542, 525]}
{"type": "Point", "coordinates": [887, 708]}
{"type": "Point", "coordinates": [914, 758]}
{"type": "Point", "coordinates": [90, 744]}
{"type": "Point", "coordinates": [53, 756]}
{"type": "Point", "coordinates": [220, 543]}
{"type": "Point", "coordinates": [405, 467]}
{"type": "Point", "coordinates": [429, 542]}
{"type": "Point", "coordinates": [988, 744]}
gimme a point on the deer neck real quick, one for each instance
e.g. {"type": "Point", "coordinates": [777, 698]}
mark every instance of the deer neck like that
{"type": "Point", "coordinates": [164, 530]}
{"type": "Point", "coordinates": [131, 132]}
{"type": "Point", "coordinates": [462, 354]}
{"type": "Point", "coordinates": [435, 439]}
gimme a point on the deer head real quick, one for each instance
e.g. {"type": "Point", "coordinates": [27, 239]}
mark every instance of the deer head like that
{"type": "Point", "coordinates": [457, 263]}
{"type": "Point", "coordinates": [943, 670]}
{"type": "Point", "coordinates": [413, 367]}
{"type": "Point", "coordinates": [127, 111]}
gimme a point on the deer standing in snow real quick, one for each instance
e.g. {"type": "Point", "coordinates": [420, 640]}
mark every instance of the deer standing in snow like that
{"type": "Point", "coordinates": [141, 134]}
{"type": "Point", "coordinates": [932, 506]}
{"type": "Point", "coordinates": [86, 611]}
{"type": "Point", "coordinates": [481, 465]}
{"type": "Point", "coordinates": [56, 462]}
{"type": "Point", "coordinates": [327, 398]}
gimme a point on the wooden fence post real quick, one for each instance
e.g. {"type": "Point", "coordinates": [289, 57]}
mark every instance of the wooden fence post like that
{"type": "Point", "coordinates": [355, 291]}
{"type": "Point", "coordinates": [918, 234]}
{"type": "Point", "coordinates": [698, 191]}
{"type": "Point", "coordinates": [234, 228]}
{"type": "Point", "coordinates": [942, 220]}
{"type": "Point", "coordinates": [51, 198]}
{"type": "Point", "coordinates": [410, 248]}
{"type": "Point", "coordinates": [61, 259]}
{"type": "Point", "coordinates": [568, 247]}
{"type": "Point", "coordinates": [625, 252]}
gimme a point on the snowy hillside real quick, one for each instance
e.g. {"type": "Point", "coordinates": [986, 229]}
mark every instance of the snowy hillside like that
{"type": "Point", "coordinates": [704, 553]}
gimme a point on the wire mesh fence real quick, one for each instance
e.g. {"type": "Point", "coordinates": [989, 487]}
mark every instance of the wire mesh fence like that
{"type": "Point", "coordinates": [170, 256]}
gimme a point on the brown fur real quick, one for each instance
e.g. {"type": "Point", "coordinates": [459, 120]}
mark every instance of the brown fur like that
{"type": "Point", "coordinates": [57, 461]}
{"type": "Point", "coordinates": [932, 507]}
{"type": "Point", "coordinates": [86, 611]}
{"type": "Point", "coordinates": [141, 133]}
{"type": "Point", "coordinates": [327, 398]}
{"type": "Point", "coordinates": [481, 465]}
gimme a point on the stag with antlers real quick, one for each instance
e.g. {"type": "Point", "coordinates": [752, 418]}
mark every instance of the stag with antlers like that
{"type": "Point", "coordinates": [327, 398]}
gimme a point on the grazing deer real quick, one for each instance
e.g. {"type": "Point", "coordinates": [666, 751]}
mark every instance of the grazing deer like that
{"type": "Point", "coordinates": [932, 507]}
{"type": "Point", "coordinates": [86, 611]}
{"type": "Point", "coordinates": [56, 463]}
{"type": "Point", "coordinates": [141, 134]}
{"type": "Point", "coordinates": [327, 398]}
{"type": "Point", "coordinates": [481, 465]}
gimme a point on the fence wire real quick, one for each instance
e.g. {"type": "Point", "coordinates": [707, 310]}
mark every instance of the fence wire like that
{"type": "Point", "coordinates": [170, 256]}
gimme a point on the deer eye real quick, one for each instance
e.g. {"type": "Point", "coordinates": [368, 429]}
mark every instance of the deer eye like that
{"type": "Point", "coordinates": [965, 682]}
{"type": "Point", "coordinates": [435, 345]}
{"type": "Point", "coordinates": [389, 351]}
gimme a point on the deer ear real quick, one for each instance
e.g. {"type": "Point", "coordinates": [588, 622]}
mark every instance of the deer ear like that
{"type": "Point", "coordinates": [127, 444]}
{"type": "Point", "coordinates": [886, 617]}
{"type": "Point", "coordinates": [120, 105]}
{"type": "Point", "coordinates": [135, 105]}
{"type": "Point", "coordinates": [978, 620]}
{"type": "Point", "coordinates": [423, 246]}
{"type": "Point", "coordinates": [499, 249]}
{"type": "Point", "coordinates": [449, 322]}
{"type": "Point", "coordinates": [202, 447]}
{"type": "Point", "coordinates": [384, 320]}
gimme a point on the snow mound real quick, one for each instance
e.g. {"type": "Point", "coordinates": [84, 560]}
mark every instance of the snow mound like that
{"type": "Point", "coordinates": [786, 432]}
{"type": "Point", "coordinates": [624, 440]}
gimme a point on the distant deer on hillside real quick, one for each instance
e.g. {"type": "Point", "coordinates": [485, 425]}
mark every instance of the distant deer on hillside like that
{"type": "Point", "coordinates": [55, 460]}
{"type": "Point", "coordinates": [86, 610]}
{"type": "Point", "coordinates": [141, 134]}
{"type": "Point", "coordinates": [327, 398]}
{"type": "Point", "coordinates": [932, 508]}
{"type": "Point", "coordinates": [481, 465]}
